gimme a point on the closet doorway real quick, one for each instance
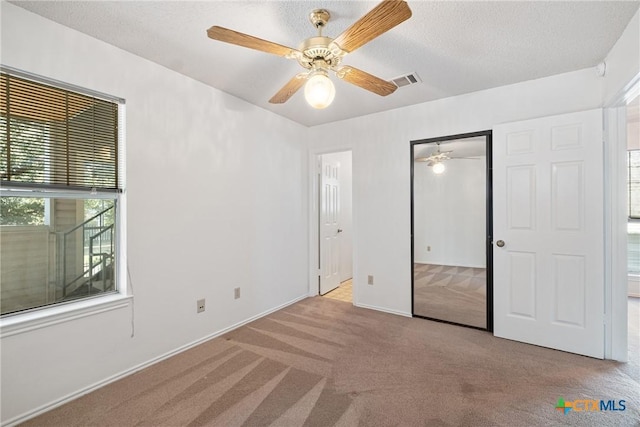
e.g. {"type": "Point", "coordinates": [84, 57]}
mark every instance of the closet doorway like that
{"type": "Point", "coordinates": [451, 223]}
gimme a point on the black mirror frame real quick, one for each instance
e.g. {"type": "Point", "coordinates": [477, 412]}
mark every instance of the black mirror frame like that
{"type": "Point", "coordinates": [489, 219]}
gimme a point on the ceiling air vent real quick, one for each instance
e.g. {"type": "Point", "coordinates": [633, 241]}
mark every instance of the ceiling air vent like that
{"type": "Point", "coordinates": [407, 79]}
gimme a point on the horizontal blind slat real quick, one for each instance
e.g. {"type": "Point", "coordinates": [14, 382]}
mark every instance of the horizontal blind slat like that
{"type": "Point", "coordinates": [53, 136]}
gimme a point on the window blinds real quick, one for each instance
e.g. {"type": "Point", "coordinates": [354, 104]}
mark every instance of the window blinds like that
{"type": "Point", "coordinates": [54, 137]}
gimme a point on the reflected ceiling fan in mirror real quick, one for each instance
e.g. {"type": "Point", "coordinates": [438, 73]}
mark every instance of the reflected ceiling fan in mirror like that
{"type": "Point", "coordinates": [321, 54]}
{"type": "Point", "coordinates": [436, 159]}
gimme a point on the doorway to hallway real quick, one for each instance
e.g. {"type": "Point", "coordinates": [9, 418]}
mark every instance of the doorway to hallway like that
{"type": "Point", "coordinates": [335, 230]}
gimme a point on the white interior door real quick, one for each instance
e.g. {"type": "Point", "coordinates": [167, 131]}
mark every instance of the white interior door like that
{"type": "Point", "coordinates": [329, 231]}
{"type": "Point", "coordinates": [548, 211]}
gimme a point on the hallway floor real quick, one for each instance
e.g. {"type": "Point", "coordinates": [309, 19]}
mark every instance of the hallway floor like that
{"type": "Point", "coordinates": [344, 292]}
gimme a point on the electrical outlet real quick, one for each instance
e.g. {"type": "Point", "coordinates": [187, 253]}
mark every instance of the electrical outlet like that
{"type": "Point", "coordinates": [236, 293]}
{"type": "Point", "coordinates": [428, 248]}
{"type": "Point", "coordinates": [200, 305]}
{"type": "Point", "coordinates": [370, 280]}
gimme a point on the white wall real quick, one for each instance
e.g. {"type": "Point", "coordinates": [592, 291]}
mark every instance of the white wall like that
{"type": "Point", "coordinates": [346, 213]}
{"type": "Point", "coordinates": [623, 61]}
{"type": "Point", "coordinates": [449, 223]}
{"type": "Point", "coordinates": [217, 199]}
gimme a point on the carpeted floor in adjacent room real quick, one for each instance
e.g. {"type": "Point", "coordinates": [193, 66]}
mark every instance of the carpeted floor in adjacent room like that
{"type": "Point", "coordinates": [450, 293]}
{"type": "Point", "coordinates": [323, 362]}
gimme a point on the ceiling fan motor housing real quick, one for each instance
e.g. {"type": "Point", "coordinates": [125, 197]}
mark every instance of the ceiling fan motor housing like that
{"type": "Point", "coordinates": [319, 52]}
{"type": "Point", "coordinates": [317, 49]}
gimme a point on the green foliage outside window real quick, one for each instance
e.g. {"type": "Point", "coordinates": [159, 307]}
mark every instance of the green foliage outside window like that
{"type": "Point", "coordinates": [21, 211]}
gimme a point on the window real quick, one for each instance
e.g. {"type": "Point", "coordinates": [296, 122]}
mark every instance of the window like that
{"type": "Point", "coordinates": [633, 183]}
{"type": "Point", "coordinates": [60, 166]}
{"type": "Point", "coordinates": [633, 203]}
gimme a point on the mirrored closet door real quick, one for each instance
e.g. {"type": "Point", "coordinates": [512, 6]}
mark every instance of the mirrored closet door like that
{"type": "Point", "coordinates": [451, 229]}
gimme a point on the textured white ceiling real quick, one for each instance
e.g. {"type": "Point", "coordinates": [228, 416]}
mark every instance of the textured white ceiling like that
{"type": "Point", "coordinates": [455, 47]}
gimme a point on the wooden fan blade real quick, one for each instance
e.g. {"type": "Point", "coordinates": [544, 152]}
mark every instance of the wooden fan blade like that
{"type": "Point", "coordinates": [429, 162]}
{"type": "Point", "coordinates": [379, 20]}
{"type": "Point", "coordinates": [241, 39]}
{"type": "Point", "coordinates": [289, 89]}
{"type": "Point", "coordinates": [366, 81]}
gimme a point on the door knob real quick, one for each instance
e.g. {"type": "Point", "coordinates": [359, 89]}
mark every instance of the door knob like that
{"type": "Point", "coordinates": [500, 243]}
{"type": "Point", "coordinates": [339, 230]}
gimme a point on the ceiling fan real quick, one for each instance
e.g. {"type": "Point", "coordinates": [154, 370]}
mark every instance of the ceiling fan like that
{"type": "Point", "coordinates": [437, 158]}
{"type": "Point", "coordinates": [321, 54]}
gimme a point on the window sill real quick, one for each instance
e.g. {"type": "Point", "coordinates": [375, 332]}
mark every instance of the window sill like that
{"type": "Point", "coordinates": [26, 322]}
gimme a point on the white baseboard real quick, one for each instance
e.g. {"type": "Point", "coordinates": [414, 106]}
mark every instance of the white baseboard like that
{"type": "Point", "coordinates": [72, 396]}
{"type": "Point", "coordinates": [385, 310]}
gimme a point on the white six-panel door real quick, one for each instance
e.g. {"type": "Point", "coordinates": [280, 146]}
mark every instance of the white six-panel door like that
{"type": "Point", "coordinates": [329, 231]}
{"type": "Point", "coordinates": [548, 212]}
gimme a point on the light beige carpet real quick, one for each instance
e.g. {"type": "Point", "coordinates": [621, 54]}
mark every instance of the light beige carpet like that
{"type": "Point", "coordinates": [322, 362]}
{"type": "Point", "coordinates": [454, 294]}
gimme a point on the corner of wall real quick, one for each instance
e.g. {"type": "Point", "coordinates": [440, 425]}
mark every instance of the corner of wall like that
{"type": "Point", "coordinates": [622, 61]}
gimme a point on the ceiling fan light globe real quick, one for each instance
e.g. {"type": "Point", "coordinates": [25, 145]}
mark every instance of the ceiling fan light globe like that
{"type": "Point", "coordinates": [319, 91]}
{"type": "Point", "coordinates": [438, 168]}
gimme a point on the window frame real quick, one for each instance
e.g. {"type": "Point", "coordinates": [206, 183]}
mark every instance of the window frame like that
{"type": "Point", "coordinates": [631, 218]}
{"type": "Point", "coordinates": [57, 312]}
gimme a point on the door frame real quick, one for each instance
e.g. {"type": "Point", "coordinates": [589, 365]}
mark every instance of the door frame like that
{"type": "Point", "coordinates": [488, 228]}
{"type": "Point", "coordinates": [616, 276]}
{"type": "Point", "coordinates": [314, 220]}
